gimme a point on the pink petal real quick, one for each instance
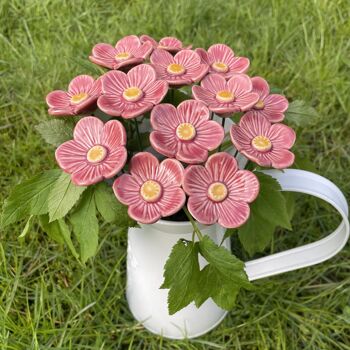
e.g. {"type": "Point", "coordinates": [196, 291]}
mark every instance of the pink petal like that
{"type": "Point", "coordinates": [61, 112]}
{"type": "Point", "coordinates": [71, 156]}
{"type": "Point", "coordinates": [202, 209]}
{"type": "Point", "coordinates": [88, 175]}
{"type": "Point", "coordinates": [194, 112]}
{"type": "Point", "coordinates": [224, 109]}
{"type": "Point", "coordinates": [209, 135]}
{"type": "Point", "coordinates": [84, 105]}
{"type": "Point", "coordinates": [188, 58]}
{"type": "Point", "coordinates": [133, 110]}
{"type": "Point", "coordinates": [141, 76]}
{"type": "Point", "coordinates": [246, 101]}
{"type": "Point", "coordinates": [220, 53]}
{"type": "Point", "coordinates": [88, 131]}
{"type": "Point", "coordinates": [111, 105]}
{"type": "Point", "coordinates": [114, 83]}
{"type": "Point", "coordinates": [144, 38]}
{"type": "Point", "coordinates": [144, 165]}
{"type": "Point", "coordinates": [221, 166]}
{"type": "Point", "coordinates": [172, 200]}
{"type": "Point", "coordinates": [129, 44]}
{"type": "Point", "coordinates": [81, 83]}
{"type": "Point", "coordinates": [58, 100]}
{"type": "Point", "coordinates": [191, 153]}
{"type": "Point", "coordinates": [274, 117]}
{"type": "Point", "coordinates": [214, 83]}
{"type": "Point", "coordinates": [128, 63]}
{"type": "Point", "coordinates": [281, 136]}
{"type": "Point", "coordinates": [254, 125]}
{"type": "Point", "coordinates": [198, 73]}
{"type": "Point", "coordinates": [164, 116]}
{"type": "Point", "coordinates": [127, 190]}
{"type": "Point", "coordinates": [170, 42]}
{"type": "Point", "coordinates": [260, 86]}
{"type": "Point", "coordinates": [155, 92]}
{"type": "Point", "coordinates": [281, 158]}
{"type": "Point", "coordinates": [146, 213]}
{"type": "Point", "coordinates": [114, 134]}
{"type": "Point", "coordinates": [170, 172]}
{"type": "Point", "coordinates": [103, 55]}
{"type": "Point", "coordinates": [240, 138]}
{"type": "Point", "coordinates": [162, 58]}
{"type": "Point", "coordinates": [114, 162]}
{"type": "Point", "coordinates": [144, 50]}
{"type": "Point", "coordinates": [203, 95]}
{"type": "Point", "coordinates": [275, 105]}
{"type": "Point", "coordinates": [239, 84]}
{"type": "Point", "coordinates": [164, 142]}
{"type": "Point", "coordinates": [244, 186]}
{"type": "Point", "coordinates": [260, 158]}
{"type": "Point", "coordinates": [196, 180]}
{"type": "Point", "coordinates": [238, 65]}
{"type": "Point", "coordinates": [232, 213]}
{"type": "Point", "coordinates": [203, 55]}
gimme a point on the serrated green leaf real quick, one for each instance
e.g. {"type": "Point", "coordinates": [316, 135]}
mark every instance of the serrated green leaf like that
{"type": "Point", "coordinates": [181, 273]}
{"type": "Point", "coordinates": [85, 225]}
{"type": "Point", "coordinates": [110, 208]}
{"type": "Point", "coordinates": [63, 195]}
{"type": "Point", "coordinates": [29, 197]}
{"type": "Point", "coordinates": [59, 231]}
{"type": "Point", "coordinates": [300, 113]}
{"type": "Point", "coordinates": [289, 197]}
{"type": "Point", "coordinates": [56, 131]}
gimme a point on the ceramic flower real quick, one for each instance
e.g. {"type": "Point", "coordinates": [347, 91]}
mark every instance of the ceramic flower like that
{"type": "Point", "coordinates": [185, 132]}
{"type": "Point", "coordinates": [168, 43]}
{"type": "Point", "coordinates": [127, 51]}
{"type": "Point", "coordinates": [132, 94]}
{"type": "Point", "coordinates": [262, 142]}
{"type": "Point", "coordinates": [219, 191]}
{"type": "Point", "coordinates": [151, 190]}
{"type": "Point", "coordinates": [221, 60]}
{"type": "Point", "coordinates": [182, 69]}
{"type": "Point", "coordinates": [273, 106]}
{"type": "Point", "coordinates": [226, 97]}
{"type": "Point", "coordinates": [96, 152]}
{"type": "Point", "coordinates": [82, 94]}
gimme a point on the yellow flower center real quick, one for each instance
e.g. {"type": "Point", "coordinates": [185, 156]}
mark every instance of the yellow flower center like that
{"type": "Point", "coordinates": [122, 56]}
{"type": "Point", "coordinates": [225, 96]}
{"type": "Point", "coordinates": [220, 67]}
{"type": "Point", "coordinates": [132, 94]}
{"type": "Point", "coordinates": [96, 154]}
{"type": "Point", "coordinates": [176, 69]}
{"type": "Point", "coordinates": [261, 143]}
{"type": "Point", "coordinates": [260, 105]}
{"type": "Point", "coordinates": [217, 191]}
{"type": "Point", "coordinates": [75, 99]}
{"type": "Point", "coordinates": [185, 131]}
{"type": "Point", "coordinates": [151, 191]}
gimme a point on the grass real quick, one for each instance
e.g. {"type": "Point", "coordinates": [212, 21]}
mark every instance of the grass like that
{"type": "Point", "coordinates": [47, 300]}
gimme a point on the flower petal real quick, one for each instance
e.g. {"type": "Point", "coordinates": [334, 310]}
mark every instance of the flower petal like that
{"type": "Point", "coordinates": [244, 186]}
{"type": "Point", "coordinates": [209, 135]}
{"type": "Point", "coordinates": [254, 125]}
{"type": "Point", "coordinates": [161, 58]}
{"type": "Point", "coordinates": [196, 180]}
{"type": "Point", "coordinates": [146, 213]}
{"type": "Point", "coordinates": [144, 38]}
{"type": "Point", "coordinates": [192, 111]}
{"type": "Point", "coordinates": [114, 83]}
{"type": "Point", "coordinates": [141, 76]}
{"type": "Point", "coordinates": [71, 156]}
{"type": "Point", "coordinates": [133, 110]}
{"type": "Point", "coordinates": [58, 100]}
{"type": "Point", "coordinates": [202, 209]}
{"type": "Point", "coordinates": [246, 101]}
{"type": "Point", "coordinates": [87, 175]}
{"type": "Point", "coordinates": [114, 162]}
{"type": "Point", "coordinates": [155, 92]}
{"type": "Point", "coordinates": [81, 83]}
{"type": "Point", "coordinates": [144, 50]}
{"type": "Point", "coordinates": [275, 104]}
{"type": "Point", "coordinates": [129, 43]}
{"type": "Point", "coordinates": [88, 131]}
{"type": "Point", "coordinates": [164, 142]}
{"type": "Point", "coordinates": [127, 190]}
{"type": "Point", "coordinates": [188, 59]}
{"type": "Point", "coordinates": [239, 84]}
{"type": "Point", "coordinates": [238, 65]}
{"type": "Point", "coordinates": [111, 105]}
{"type": "Point", "coordinates": [240, 138]}
{"type": "Point", "coordinates": [144, 165]}
{"type": "Point", "coordinates": [281, 158]}
{"type": "Point", "coordinates": [203, 55]}
{"type": "Point", "coordinates": [114, 134]}
{"type": "Point", "coordinates": [203, 95]}
{"type": "Point", "coordinates": [103, 55]}
{"type": "Point", "coordinates": [164, 116]}
{"type": "Point", "coordinates": [214, 83]}
{"type": "Point", "coordinates": [170, 172]}
{"type": "Point", "coordinates": [220, 53]}
{"type": "Point", "coordinates": [170, 42]}
{"type": "Point", "coordinates": [260, 86]}
{"type": "Point", "coordinates": [197, 73]}
{"type": "Point", "coordinates": [172, 200]}
{"type": "Point", "coordinates": [191, 153]}
{"type": "Point", "coordinates": [281, 136]}
{"type": "Point", "coordinates": [232, 213]}
{"type": "Point", "coordinates": [221, 166]}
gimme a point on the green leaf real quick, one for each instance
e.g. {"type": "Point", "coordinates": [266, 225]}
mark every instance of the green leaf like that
{"type": "Point", "coordinates": [56, 131]}
{"type": "Point", "coordinates": [85, 225]}
{"type": "Point", "coordinates": [181, 273]}
{"type": "Point", "coordinates": [267, 212]}
{"type": "Point", "coordinates": [133, 144]}
{"type": "Point", "coordinates": [59, 231]}
{"type": "Point", "coordinates": [29, 197]}
{"type": "Point", "coordinates": [26, 228]}
{"type": "Point", "coordinates": [63, 196]}
{"type": "Point", "coordinates": [222, 278]}
{"type": "Point", "coordinates": [300, 113]}
{"type": "Point", "coordinates": [289, 197]}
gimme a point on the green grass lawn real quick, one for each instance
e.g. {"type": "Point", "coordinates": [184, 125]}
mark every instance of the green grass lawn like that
{"type": "Point", "coordinates": [47, 300]}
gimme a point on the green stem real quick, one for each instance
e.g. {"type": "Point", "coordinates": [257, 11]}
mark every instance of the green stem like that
{"type": "Point", "coordinates": [138, 134]}
{"type": "Point", "coordinates": [196, 230]}
{"type": "Point", "coordinates": [223, 125]}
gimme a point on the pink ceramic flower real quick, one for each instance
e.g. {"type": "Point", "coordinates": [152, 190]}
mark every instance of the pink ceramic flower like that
{"type": "Point", "coordinates": [182, 69]}
{"type": "Point", "coordinates": [151, 190]}
{"type": "Point", "coordinates": [265, 144]}
{"type": "Point", "coordinates": [272, 107]}
{"type": "Point", "coordinates": [127, 51]}
{"type": "Point", "coordinates": [132, 94]}
{"type": "Point", "coordinates": [186, 132]}
{"type": "Point", "coordinates": [97, 151]}
{"type": "Point", "coordinates": [82, 94]}
{"type": "Point", "coordinates": [226, 97]}
{"type": "Point", "coordinates": [219, 191]}
{"type": "Point", "coordinates": [168, 43]}
{"type": "Point", "coordinates": [222, 60]}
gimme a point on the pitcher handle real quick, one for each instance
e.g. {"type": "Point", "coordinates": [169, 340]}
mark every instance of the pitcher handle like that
{"type": "Point", "coordinates": [294, 180]}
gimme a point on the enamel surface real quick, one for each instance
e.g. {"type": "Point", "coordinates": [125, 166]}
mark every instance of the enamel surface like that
{"type": "Point", "coordinates": [121, 56]}
{"type": "Point", "coordinates": [217, 191]}
{"type": "Point", "coordinates": [220, 67]}
{"type": "Point", "coordinates": [151, 191]}
{"type": "Point", "coordinates": [259, 105]}
{"type": "Point", "coordinates": [176, 69]}
{"type": "Point", "coordinates": [225, 96]}
{"type": "Point", "coordinates": [75, 99]}
{"type": "Point", "coordinates": [261, 143]}
{"type": "Point", "coordinates": [132, 94]}
{"type": "Point", "coordinates": [96, 154]}
{"type": "Point", "coordinates": [185, 131]}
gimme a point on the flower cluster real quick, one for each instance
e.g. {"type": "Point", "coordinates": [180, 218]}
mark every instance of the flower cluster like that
{"type": "Point", "coordinates": [186, 160]}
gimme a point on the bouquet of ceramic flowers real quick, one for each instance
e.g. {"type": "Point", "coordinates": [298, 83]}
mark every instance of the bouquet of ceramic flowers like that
{"type": "Point", "coordinates": [164, 127]}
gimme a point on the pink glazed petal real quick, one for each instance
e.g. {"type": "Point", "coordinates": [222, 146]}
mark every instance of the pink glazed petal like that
{"type": "Point", "coordinates": [168, 174]}
{"type": "Point", "coordinates": [165, 120]}
{"type": "Point", "coordinates": [242, 188]}
{"type": "Point", "coordinates": [281, 137]}
{"type": "Point", "coordinates": [169, 43]}
{"type": "Point", "coordinates": [72, 156]}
